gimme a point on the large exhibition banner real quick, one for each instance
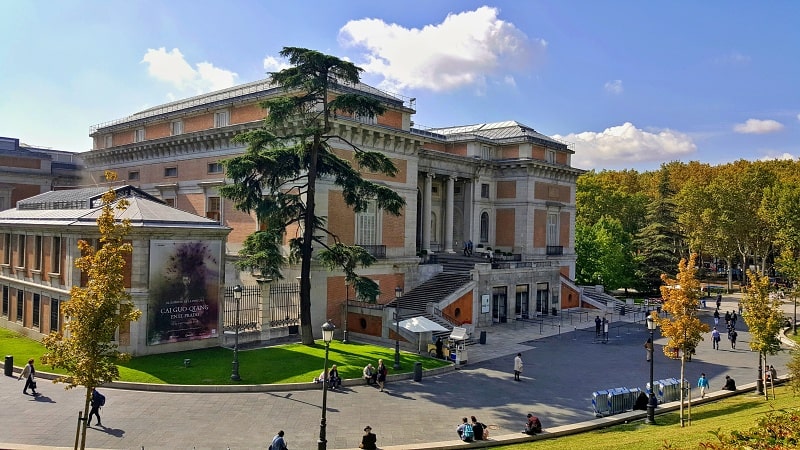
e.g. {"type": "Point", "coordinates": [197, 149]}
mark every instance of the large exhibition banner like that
{"type": "Point", "coordinates": [184, 291]}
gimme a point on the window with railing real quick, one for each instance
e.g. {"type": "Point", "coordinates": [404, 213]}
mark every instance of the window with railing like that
{"type": "Point", "coordinates": [552, 229]}
{"type": "Point", "coordinates": [367, 225]}
{"type": "Point", "coordinates": [554, 250]}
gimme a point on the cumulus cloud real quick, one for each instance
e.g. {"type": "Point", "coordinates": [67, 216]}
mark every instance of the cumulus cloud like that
{"type": "Point", "coordinates": [798, 117]}
{"type": "Point", "coordinates": [465, 49]}
{"type": "Point", "coordinates": [778, 156]}
{"type": "Point", "coordinates": [271, 64]}
{"type": "Point", "coordinates": [756, 126]}
{"type": "Point", "coordinates": [172, 67]}
{"type": "Point", "coordinates": [614, 87]}
{"type": "Point", "coordinates": [626, 145]}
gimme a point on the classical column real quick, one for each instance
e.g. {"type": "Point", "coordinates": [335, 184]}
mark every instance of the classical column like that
{"type": "Point", "coordinates": [426, 213]}
{"type": "Point", "coordinates": [448, 221]}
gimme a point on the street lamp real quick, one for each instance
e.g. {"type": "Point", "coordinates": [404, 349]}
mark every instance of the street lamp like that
{"type": "Point", "coordinates": [346, 309]}
{"type": "Point", "coordinates": [327, 336]}
{"type": "Point", "coordinates": [651, 404]}
{"type": "Point", "coordinates": [237, 296]}
{"type": "Point", "coordinates": [398, 292]}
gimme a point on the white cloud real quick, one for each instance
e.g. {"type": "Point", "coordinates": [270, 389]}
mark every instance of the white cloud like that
{"type": "Point", "coordinates": [271, 64]}
{"type": "Point", "coordinates": [614, 87]}
{"type": "Point", "coordinates": [173, 68]}
{"type": "Point", "coordinates": [775, 156]}
{"type": "Point", "coordinates": [625, 145]}
{"type": "Point", "coordinates": [756, 126]}
{"type": "Point", "coordinates": [798, 117]}
{"type": "Point", "coordinates": [465, 49]}
{"type": "Point", "coordinates": [733, 58]}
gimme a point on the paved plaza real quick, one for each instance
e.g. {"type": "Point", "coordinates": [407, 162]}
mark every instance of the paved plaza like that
{"type": "Point", "coordinates": [562, 369]}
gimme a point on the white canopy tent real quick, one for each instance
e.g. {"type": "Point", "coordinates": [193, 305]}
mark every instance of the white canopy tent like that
{"type": "Point", "coordinates": [420, 325]}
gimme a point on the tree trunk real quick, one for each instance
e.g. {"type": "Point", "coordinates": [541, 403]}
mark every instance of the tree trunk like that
{"type": "Point", "coordinates": [307, 331]}
{"type": "Point", "coordinates": [683, 370]}
{"type": "Point", "coordinates": [729, 261]}
{"type": "Point", "coordinates": [85, 422]}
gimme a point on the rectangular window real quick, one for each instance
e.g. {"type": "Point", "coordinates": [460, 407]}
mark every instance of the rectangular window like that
{"type": "Point", "coordinates": [55, 306]}
{"type": "Point", "coordinates": [37, 253]}
{"type": "Point", "coordinates": [521, 304]}
{"type": "Point", "coordinates": [5, 301]}
{"type": "Point", "coordinates": [212, 208]}
{"type": "Point", "coordinates": [484, 190]}
{"type": "Point", "coordinates": [170, 202]}
{"type": "Point", "coordinates": [369, 120]}
{"type": "Point", "coordinates": [215, 167]}
{"type": "Point", "coordinates": [552, 228]}
{"type": "Point", "coordinates": [486, 152]}
{"type": "Point", "coordinates": [133, 175]}
{"type": "Point", "coordinates": [108, 141]}
{"type": "Point", "coordinates": [221, 119]}
{"type": "Point", "coordinates": [138, 135]}
{"type": "Point", "coordinates": [176, 127]}
{"type": "Point", "coordinates": [55, 255]}
{"type": "Point", "coordinates": [551, 156]}
{"type": "Point", "coordinates": [170, 171]}
{"type": "Point", "coordinates": [20, 304]}
{"type": "Point", "coordinates": [7, 249]}
{"type": "Point", "coordinates": [21, 250]}
{"type": "Point", "coordinates": [37, 307]}
{"type": "Point", "coordinates": [367, 225]}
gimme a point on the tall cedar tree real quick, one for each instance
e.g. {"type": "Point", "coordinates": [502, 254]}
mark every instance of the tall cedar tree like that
{"type": "Point", "coordinates": [277, 176]}
{"type": "Point", "coordinates": [97, 310]}
{"type": "Point", "coordinates": [682, 327]}
{"type": "Point", "coordinates": [764, 318]}
{"type": "Point", "coordinates": [658, 242]}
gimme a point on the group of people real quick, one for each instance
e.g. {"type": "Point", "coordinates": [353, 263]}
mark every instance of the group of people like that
{"type": "Point", "coordinates": [369, 441]}
{"type": "Point", "coordinates": [331, 377]}
{"type": "Point", "coordinates": [469, 431]}
{"type": "Point", "coordinates": [376, 375]}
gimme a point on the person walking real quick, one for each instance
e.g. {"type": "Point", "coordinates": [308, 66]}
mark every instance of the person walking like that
{"type": "Point", "coordinates": [382, 371]}
{"type": "Point", "coordinates": [702, 383]}
{"type": "Point", "coordinates": [732, 337]}
{"type": "Point", "coordinates": [517, 366]}
{"type": "Point", "coordinates": [439, 348]}
{"type": "Point", "coordinates": [29, 373]}
{"type": "Point", "coordinates": [716, 317]}
{"type": "Point", "coordinates": [719, 301]}
{"type": "Point", "coordinates": [597, 326]}
{"type": "Point", "coordinates": [369, 441]}
{"type": "Point", "coordinates": [715, 338]}
{"type": "Point", "coordinates": [648, 346]}
{"type": "Point", "coordinates": [98, 401]}
{"type": "Point", "coordinates": [734, 318]}
{"type": "Point", "coordinates": [278, 442]}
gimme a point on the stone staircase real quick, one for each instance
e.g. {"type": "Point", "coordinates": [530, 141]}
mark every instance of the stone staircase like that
{"type": "Point", "coordinates": [458, 263]}
{"type": "Point", "coordinates": [415, 302]}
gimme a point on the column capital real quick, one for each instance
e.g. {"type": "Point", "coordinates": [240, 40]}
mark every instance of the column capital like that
{"type": "Point", "coordinates": [430, 175]}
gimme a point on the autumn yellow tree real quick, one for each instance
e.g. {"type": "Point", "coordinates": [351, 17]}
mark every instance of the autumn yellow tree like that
{"type": "Point", "coordinates": [681, 326]}
{"type": "Point", "coordinates": [95, 311]}
{"type": "Point", "coordinates": [764, 319]}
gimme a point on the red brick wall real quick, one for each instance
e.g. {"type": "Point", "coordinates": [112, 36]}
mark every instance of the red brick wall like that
{"type": "Point", "coordinates": [464, 305]}
{"type": "Point", "coordinates": [561, 158]}
{"type": "Point", "coordinates": [506, 189]}
{"type": "Point", "coordinates": [341, 220]}
{"type": "Point", "coordinates": [195, 123]}
{"type": "Point", "coordinates": [550, 191]}
{"type": "Point", "coordinates": [563, 231]}
{"type": "Point", "coordinates": [394, 230]}
{"type": "Point", "coordinates": [374, 324]}
{"type": "Point", "coordinates": [23, 191]}
{"type": "Point", "coordinates": [570, 298]}
{"type": "Point", "coordinates": [540, 228]}
{"type": "Point", "coordinates": [508, 151]}
{"type": "Point", "coordinates": [157, 130]}
{"type": "Point", "coordinates": [247, 113]}
{"type": "Point", "coordinates": [505, 227]}
{"type": "Point", "coordinates": [21, 162]}
{"type": "Point", "coordinates": [391, 118]}
{"type": "Point", "coordinates": [457, 149]}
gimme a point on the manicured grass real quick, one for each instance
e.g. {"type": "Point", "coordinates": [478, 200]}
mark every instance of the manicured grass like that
{"type": "Point", "coordinates": [290, 363]}
{"type": "Point", "coordinates": [734, 413]}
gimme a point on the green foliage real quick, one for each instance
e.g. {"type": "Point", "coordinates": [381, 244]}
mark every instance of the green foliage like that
{"type": "Point", "coordinates": [777, 430]}
{"type": "Point", "coordinates": [763, 315]}
{"type": "Point", "coordinates": [605, 254]}
{"type": "Point", "coordinates": [277, 176]}
{"type": "Point", "coordinates": [658, 243]}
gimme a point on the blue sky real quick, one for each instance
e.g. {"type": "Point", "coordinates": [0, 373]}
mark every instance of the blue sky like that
{"type": "Point", "coordinates": [630, 84]}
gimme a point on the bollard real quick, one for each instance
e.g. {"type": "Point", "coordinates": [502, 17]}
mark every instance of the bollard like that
{"type": "Point", "coordinates": [417, 371]}
{"type": "Point", "coordinates": [9, 366]}
{"type": "Point", "coordinates": [483, 338]}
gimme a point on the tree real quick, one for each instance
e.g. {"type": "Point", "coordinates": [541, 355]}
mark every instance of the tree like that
{"type": "Point", "coordinates": [764, 319]}
{"type": "Point", "coordinates": [683, 329]}
{"type": "Point", "coordinates": [604, 254]}
{"type": "Point", "coordinates": [97, 310]}
{"type": "Point", "coordinates": [277, 176]}
{"type": "Point", "coordinates": [659, 241]}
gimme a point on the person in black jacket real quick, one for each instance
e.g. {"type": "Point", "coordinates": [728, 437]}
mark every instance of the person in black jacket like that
{"type": "Point", "coordinates": [369, 441]}
{"type": "Point", "coordinates": [730, 385]}
{"type": "Point", "coordinates": [478, 428]}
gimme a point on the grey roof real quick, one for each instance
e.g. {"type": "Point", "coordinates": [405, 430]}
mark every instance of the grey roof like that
{"type": "Point", "coordinates": [496, 131]}
{"type": "Point", "coordinates": [142, 212]}
{"type": "Point", "coordinates": [79, 198]}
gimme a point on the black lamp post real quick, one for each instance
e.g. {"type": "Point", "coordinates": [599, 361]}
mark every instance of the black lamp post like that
{"type": "Point", "coordinates": [651, 404]}
{"type": "Point", "coordinates": [346, 309]}
{"type": "Point", "coordinates": [327, 336]}
{"type": "Point", "coordinates": [237, 296]}
{"type": "Point", "coordinates": [398, 292]}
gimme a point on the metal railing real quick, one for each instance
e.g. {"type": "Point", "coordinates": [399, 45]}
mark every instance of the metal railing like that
{"type": "Point", "coordinates": [377, 251]}
{"type": "Point", "coordinates": [283, 309]}
{"type": "Point", "coordinates": [553, 250]}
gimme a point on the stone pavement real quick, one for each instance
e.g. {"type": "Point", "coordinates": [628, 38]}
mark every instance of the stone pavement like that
{"type": "Point", "coordinates": [561, 372]}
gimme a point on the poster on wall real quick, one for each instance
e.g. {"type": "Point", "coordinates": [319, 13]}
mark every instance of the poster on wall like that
{"type": "Point", "coordinates": [485, 303]}
{"type": "Point", "coordinates": [184, 291]}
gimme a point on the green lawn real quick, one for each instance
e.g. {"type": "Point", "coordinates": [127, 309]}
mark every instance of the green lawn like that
{"type": "Point", "coordinates": [734, 413]}
{"type": "Point", "coordinates": [290, 363]}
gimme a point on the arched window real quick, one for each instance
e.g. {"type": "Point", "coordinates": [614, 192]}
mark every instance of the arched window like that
{"type": "Point", "coordinates": [484, 227]}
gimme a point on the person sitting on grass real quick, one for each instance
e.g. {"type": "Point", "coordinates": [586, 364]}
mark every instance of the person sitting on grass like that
{"type": "Point", "coordinates": [730, 385]}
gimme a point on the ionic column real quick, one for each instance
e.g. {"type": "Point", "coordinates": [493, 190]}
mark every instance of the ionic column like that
{"type": "Point", "coordinates": [426, 212]}
{"type": "Point", "coordinates": [448, 221]}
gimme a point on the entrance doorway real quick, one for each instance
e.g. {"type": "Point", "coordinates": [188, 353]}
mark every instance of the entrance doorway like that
{"type": "Point", "coordinates": [500, 304]}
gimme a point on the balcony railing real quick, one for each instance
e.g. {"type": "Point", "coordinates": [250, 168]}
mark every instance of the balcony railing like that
{"type": "Point", "coordinates": [555, 250]}
{"type": "Point", "coordinates": [377, 251]}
